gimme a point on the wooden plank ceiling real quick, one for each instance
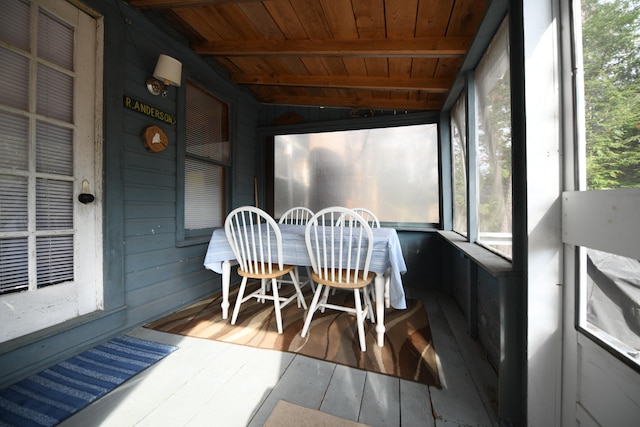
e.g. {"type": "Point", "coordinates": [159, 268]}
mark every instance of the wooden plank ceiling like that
{"type": "Point", "coordinates": [361, 54]}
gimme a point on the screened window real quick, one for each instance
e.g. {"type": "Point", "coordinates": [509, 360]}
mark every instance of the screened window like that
{"type": "Point", "coordinates": [391, 171]}
{"type": "Point", "coordinates": [459, 163]}
{"type": "Point", "coordinates": [493, 145]}
{"type": "Point", "coordinates": [207, 156]}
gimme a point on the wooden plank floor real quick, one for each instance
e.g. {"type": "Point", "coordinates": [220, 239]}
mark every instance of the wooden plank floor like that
{"type": "Point", "coordinates": [209, 383]}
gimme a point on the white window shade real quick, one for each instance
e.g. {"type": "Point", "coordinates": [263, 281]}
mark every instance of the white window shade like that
{"type": "Point", "coordinates": [203, 208]}
{"type": "Point", "coordinates": [207, 154]}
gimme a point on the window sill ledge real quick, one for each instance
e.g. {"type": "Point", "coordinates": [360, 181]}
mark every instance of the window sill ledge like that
{"type": "Point", "coordinates": [493, 264]}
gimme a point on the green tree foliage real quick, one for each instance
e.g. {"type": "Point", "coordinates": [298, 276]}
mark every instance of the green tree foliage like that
{"type": "Point", "coordinates": [611, 45]}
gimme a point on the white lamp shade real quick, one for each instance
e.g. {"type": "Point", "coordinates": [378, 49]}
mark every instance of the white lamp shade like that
{"type": "Point", "coordinates": [168, 70]}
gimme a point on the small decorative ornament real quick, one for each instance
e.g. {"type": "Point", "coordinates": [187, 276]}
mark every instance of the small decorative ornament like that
{"type": "Point", "coordinates": [155, 139]}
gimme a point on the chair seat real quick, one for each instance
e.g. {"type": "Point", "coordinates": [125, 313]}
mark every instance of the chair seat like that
{"type": "Point", "coordinates": [275, 272]}
{"type": "Point", "coordinates": [346, 282]}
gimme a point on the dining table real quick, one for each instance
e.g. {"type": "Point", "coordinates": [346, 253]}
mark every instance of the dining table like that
{"type": "Point", "coordinates": [387, 262]}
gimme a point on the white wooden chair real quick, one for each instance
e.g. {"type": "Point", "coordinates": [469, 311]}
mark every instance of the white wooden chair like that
{"type": "Point", "coordinates": [374, 222]}
{"type": "Point", "coordinates": [340, 254]}
{"type": "Point", "coordinates": [298, 215]}
{"type": "Point", "coordinates": [368, 216]}
{"type": "Point", "coordinates": [253, 235]}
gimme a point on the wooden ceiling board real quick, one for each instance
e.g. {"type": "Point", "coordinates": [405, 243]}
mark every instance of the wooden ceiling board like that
{"type": "Point", "coordinates": [235, 17]}
{"type": "Point", "coordinates": [261, 19]}
{"type": "Point", "coordinates": [433, 17]}
{"type": "Point", "coordinates": [340, 18]}
{"type": "Point", "coordinates": [400, 18]}
{"type": "Point", "coordinates": [295, 65]}
{"type": "Point", "coordinates": [196, 22]}
{"type": "Point", "coordinates": [218, 22]}
{"type": "Point", "coordinates": [387, 54]}
{"type": "Point", "coordinates": [424, 67]}
{"type": "Point", "coordinates": [369, 18]}
{"type": "Point", "coordinates": [286, 18]}
{"type": "Point", "coordinates": [400, 67]}
{"type": "Point", "coordinates": [447, 66]}
{"type": "Point", "coordinates": [355, 66]}
{"type": "Point", "coordinates": [312, 17]}
{"type": "Point", "coordinates": [466, 16]}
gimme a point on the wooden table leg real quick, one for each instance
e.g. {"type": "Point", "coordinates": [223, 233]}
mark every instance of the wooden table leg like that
{"type": "Point", "coordinates": [226, 278]}
{"type": "Point", "coordinates": [380, 329]}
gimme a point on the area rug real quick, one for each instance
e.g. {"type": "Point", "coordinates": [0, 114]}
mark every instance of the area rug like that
{"type": "Point", "coordinates": [408, 351]}
{"type": "Point", "coordinates": [56, 393]}
{"type": "Point", "coordinates": [287, 414]}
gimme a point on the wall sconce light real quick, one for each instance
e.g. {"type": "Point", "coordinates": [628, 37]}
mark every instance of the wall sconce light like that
{"type": "Point", "coordinates": [168, 72]}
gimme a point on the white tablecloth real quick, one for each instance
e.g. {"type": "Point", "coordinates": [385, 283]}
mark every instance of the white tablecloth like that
{"type": "Point", "coordinates": [387, 255]}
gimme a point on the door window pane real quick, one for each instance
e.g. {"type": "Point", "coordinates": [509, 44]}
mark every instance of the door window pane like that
{"type": "Point", "coordinates": [613, 299]}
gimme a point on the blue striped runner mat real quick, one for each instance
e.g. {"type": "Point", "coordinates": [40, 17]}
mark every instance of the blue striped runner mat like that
{"type": "Point", "coordinates": [56, 393]}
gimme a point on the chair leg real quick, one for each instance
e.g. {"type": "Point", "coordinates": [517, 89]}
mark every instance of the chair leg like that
{"type": "Point", "coordinates": [265, 288]}
{"type": "Point", "coordinates": [367, 301]}
{"type": "Point", "coordinates": [312, 309]}
{"type": "Point", "coordinates": [276, 304]}
{"type": "Point", "coordinates": [387, 279]}
{"type": "Point", "coordinates": [311, 284]}
{"type": "Point", "coordinates": [236, 309]}
{"type": "Point", "coordinates": [325, 297]}
{"type": "Point", "coordinates": [360, 319]}
{"type": "Point", "coordinates": [299, 296]}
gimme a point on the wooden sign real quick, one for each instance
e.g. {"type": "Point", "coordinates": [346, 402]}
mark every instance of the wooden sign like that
{"type": "Point", "coordinates": [155, 139]}
{"type": "Point", "coordinates": [147, 110]}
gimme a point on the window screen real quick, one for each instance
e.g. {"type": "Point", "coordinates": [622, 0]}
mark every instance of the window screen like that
{"type": "Point", "coordinates": [493, 153]}
{"type": "Point", "coordinates": [392, 172]}
{"type": "Point", "coordinates": [459, 165]}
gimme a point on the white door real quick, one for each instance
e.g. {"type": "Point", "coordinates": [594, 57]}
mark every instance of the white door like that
{"type": "Point", "coordinates": [50, 153]}
{"type": "Point", "coordinates": [601, 218]}
{"type": "Point", "coordinates": [601, 230]}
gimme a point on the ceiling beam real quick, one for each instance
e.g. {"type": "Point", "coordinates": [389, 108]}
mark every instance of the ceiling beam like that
{"type": "Point", "coordinates": [418, 47]}
{"type": "Point", "coordinates": [347, 82]}
{"type": "Point", "coordinates": [168, 4]}
{"type": "Point", "coordinates": [374, 103]}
